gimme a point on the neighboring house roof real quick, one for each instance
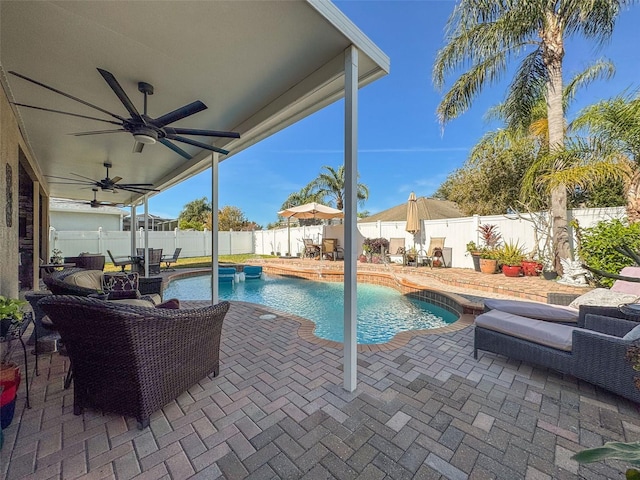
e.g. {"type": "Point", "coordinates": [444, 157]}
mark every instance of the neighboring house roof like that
{"type": "Point", "coordinates": [428, 209]}
{"type": "Point", "coordinates": [64, 205]}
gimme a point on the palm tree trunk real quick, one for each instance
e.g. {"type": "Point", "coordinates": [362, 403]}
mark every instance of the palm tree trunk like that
{"type": "Point", "coordinates": [553, 53]}
{"type": "Point", "coordinates": [633, 198]}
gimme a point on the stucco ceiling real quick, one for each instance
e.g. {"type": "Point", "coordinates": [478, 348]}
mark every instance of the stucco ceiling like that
{"type": "Point", "coordinates": [258, 66]}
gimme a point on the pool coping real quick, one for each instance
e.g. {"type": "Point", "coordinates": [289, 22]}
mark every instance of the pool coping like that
{"type": "Point", "coordinates": [466, 310]}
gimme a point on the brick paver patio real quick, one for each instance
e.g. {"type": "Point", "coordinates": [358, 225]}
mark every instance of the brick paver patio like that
{"type": "Point", "coordinates": [278, 410]}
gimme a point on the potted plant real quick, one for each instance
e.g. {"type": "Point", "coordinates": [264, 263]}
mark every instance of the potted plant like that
{"type": "Point", "coordinates": [412, 255]}
{"type": "Point", "coordinates": [11, 314]}
{"type": "Point", "coordinates": [488, 261]}
{"type": "Point", "coordinates": [531, 267]}
{"type": "Point", "coordinates": [510, 255]}
{"type": "Point", "coordinates": [474, 251]}
{"type": "Point", "coordinates": [491, 240]}
{"type": "Point", "coordinates": [56, 256]}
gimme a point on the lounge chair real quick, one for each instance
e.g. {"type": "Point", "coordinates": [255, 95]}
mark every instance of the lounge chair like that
{"type": "Point", "coordinates": [226, 274]}
{"type": "Point", "coordinates": [172, 259]}
{"type": "Point", "coordinates": [593, 350]}
{"type": "Point", "coordinates": [120, 261]}
{"type": "Point", "coordinates": [132, 360]}
{"type": "Point", "coordinates": [252, 272]}
{"type": "Point", "coordinates": [397, 251]}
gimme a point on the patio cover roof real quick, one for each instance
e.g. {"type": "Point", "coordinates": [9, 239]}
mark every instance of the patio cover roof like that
{"type": "Point", "coordinates": [259, 67]}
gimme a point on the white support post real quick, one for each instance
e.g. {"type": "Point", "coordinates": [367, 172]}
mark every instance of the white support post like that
{"type": "Point", "coordinates": [350, 227]}
{"type": "Point", "coordinates": [146, 235]}
{"type": "Point", "coordinates": [133, 228]}
{"type": "Point", "coordinates": [214, 229]}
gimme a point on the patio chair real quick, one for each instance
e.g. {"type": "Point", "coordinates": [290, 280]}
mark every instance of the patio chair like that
{"type": "Point", "coordinates": [172, 259]}
{"type": "Point", "coordinates": [311, 250]}
{"type": "Point", "coordinates": [155, 258]}
{"type": "Point", "coordinates": [120, 261]}
{"type": "Point", "coordinates": [434, 252]}
{"type": "Point", "coordinates": [397, 251]}
{"type": "Point", "coordinates": [131, 360]}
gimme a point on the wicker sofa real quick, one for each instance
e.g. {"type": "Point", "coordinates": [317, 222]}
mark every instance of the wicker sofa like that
{"type": "Point", "coordinates": [592, 350]}
{"type": "Point", "coordinates": [81, 282]}
{"type": "Point", "coordinates": [133, 360]}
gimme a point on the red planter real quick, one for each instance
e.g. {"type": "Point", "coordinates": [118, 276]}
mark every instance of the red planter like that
{"type": "Point", "coordinates": [512, 271]}
{"type": "Point", "coordinates": [531, 268]}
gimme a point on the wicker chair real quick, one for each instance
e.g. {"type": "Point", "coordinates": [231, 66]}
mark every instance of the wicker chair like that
{"type": "Point", "coordinates": [133, 360]}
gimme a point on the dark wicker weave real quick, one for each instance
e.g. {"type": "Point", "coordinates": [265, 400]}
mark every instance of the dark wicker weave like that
{"type": "Point", "coordinates": [134, 360]}
{"type": "Point", "coordinates": [595, 358]}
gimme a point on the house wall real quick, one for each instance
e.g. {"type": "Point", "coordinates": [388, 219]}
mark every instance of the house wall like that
{"type": "Point", "coordinates": [16, 157]}
{"type": "Point", "coordinates": [70, 220]}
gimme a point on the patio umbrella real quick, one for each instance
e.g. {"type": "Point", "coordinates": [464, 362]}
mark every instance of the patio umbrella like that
{"type": "Point", "coordinates": [413, 223]}
{"type": "Point", "coordinates": [309, 210]}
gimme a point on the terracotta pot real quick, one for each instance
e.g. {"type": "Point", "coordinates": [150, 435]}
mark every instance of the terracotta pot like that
{"type": "Point", "coordinates": [488, 265]}
{"type": "Point", "coordinates": [512, 270]}
{"type": "Point", "coordinates": [531, 268]}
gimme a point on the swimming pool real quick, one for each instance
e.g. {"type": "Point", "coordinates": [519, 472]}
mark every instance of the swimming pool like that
{"type": "Point", "coordinates": [382, 311]}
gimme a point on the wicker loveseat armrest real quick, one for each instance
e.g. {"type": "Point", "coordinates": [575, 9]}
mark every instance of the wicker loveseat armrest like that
{"type": "Point", "coordinates": [600, 359]}
{"type": "Point", "coordinates": [617, 327]}
{"type": "Point", "coordinates": [613, 312]}
{"type": "Point", "coordinates": [561, 298]}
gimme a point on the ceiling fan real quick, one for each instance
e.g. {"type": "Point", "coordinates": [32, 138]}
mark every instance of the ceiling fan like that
{"type": "Point", "coordinates": [145, 130]}
{"type": "Point", "coordinates": [96, 204]}
{"type": "Point", "coordinates": [108, 184]}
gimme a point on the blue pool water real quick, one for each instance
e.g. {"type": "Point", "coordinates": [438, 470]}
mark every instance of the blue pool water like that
{"type": "Point", "coordinates": [382, 311]}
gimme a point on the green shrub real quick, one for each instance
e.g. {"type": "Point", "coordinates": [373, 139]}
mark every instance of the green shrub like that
{"type": "Point", "coordinates": [598, 246]}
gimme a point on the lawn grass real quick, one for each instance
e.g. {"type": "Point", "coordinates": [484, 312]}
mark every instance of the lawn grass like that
{"type": "Point", "coordinates": [199, 262]}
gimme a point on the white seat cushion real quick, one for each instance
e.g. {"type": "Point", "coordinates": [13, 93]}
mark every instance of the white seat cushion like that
{"type": "Point", "coordinates": [551, 334]}
{"type": "Point", "coordinates": [537, 310]}
{"type": "Point", "coordinates": [87, 279]}
{"type": "Point", "coordinates": [604, 297]}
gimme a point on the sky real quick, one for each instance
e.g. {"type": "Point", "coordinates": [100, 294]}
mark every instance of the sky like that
{"type": "Point", "coordinates": [401, 146]}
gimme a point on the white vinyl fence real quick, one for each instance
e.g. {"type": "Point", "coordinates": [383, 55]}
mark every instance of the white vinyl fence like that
{"type": "Point", "coordinates": [193, 243]}
{"type": "Point", "coordinates": [457, 232]}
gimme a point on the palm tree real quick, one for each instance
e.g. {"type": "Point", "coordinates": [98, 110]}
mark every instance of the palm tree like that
{"type": "Point", "coordinates": [330, 183]}
{"type": "Point", "coordinates": [307, 194]}
{"type": "Point", "coordinates": [613, 151]}
{"type": "Point", "coordinates": [483, 35]}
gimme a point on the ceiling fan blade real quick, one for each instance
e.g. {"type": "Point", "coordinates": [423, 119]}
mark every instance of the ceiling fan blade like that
{"type": "Point", "coordinates": [66, 113]}
{"type": "Point", "coordinates": [98, 132]}
{"type": "Point", "coordinates": [179, 113]}
{"type": "Point", "coordinates": [121, 94]}
{"type": "Point", "coordinates": [136, 189]}
{"type": "Point", "coordinates": [135, 185]}
{"type": "Point", "coordinates": [204, 133]}
{"type": "Point", "coordinates": [137, 147]}
{"type": "Point", "coordinates": [24, 77]}
{"type": "Point", "coordinates": [64, 178]}
{"type": "Point", "coordinates": [82, 176]}
{"type": "Point", "coordinates": [70, 183]}
{"type": "Point", "coordinates": [199, 144]}
{"type": "Point", "coordinates": [175, 148]}
{"type": "Point", "coordinates": [116, 179]}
